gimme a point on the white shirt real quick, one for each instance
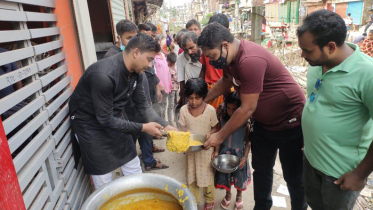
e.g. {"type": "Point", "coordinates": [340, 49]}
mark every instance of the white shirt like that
{"type": "Point", "coordinates": [176, 50]}
{"type": "Point", "coordinates": [186, 69]}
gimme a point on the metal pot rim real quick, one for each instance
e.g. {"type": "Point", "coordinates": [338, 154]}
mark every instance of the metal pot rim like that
{"type": "Point", "coordinates": [138, 181]}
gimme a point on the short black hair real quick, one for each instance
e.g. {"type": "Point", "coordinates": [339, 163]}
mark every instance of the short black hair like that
{"type": "Point", "coordinates": [124, 26]}
{"type": "Point", "coordinates": [144, 43]}
{"type": "Point", "coordinates": [152, 26]}
{"type": "Point", "coordinates": [220, 18]}
{"type": "Point", "coordinates": [371, 31]}
{"type": "Point", "coordinates": [326, 26]}
{"type": "Point", "coordinates": [189, 36]}
{"type": "Point", "coordinates": [349, 14]}
{"type": "Point", "coordinates": [158, 37]}
{"type": "Point", "coordinates": [231, 98]}
{"type": "Point", "coordinates": [192, 22]}
{"type": "Point", "coordinates": [144, 27]}
{"type": "Point", "coordinates": [167, 31]}
{"type": "Point", "coordinates": [181, 32]}
{"type": "Point", "coordinates": [213, 35]}
{"type": "Point", "coordinates": [196, 86]}
{"type": "Point", "coordinates": [371, 10]}
{"type": "Point", "coordinates": [171, 57]}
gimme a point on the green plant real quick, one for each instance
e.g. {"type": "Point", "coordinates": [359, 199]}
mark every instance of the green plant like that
{"type": "Point", "coordinates": [205, 20]}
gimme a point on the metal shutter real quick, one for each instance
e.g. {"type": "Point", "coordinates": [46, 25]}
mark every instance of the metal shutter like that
{"type": "Point", "coordinates": [283, 10]}
{"type": "Point", "coordinates": [40, 143]}
{"type": "Point", "coordinates": [356, 10]}
{"type": "Point", "coordinates": [293, 11]}
{"type": "Point", "coordinates": [118, 11]}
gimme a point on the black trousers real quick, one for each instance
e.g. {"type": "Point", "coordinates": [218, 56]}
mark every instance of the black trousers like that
{"type": "Point", "coordinates": [264, 147]}
{"type": "Point", "coordinates": [323, 194]}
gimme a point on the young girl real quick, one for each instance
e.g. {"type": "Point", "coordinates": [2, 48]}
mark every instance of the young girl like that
{"type": "Point", "coordinates": [236, 144]}
{"type": "Point", "coordinates": [197, 117]}
{"type": "Point", "coordinates": [164, 76]}
{"type": "Point", "coordinates": [172, 97]}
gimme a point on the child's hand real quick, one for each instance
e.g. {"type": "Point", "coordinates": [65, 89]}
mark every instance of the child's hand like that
{"type": "Point", "coordinates": [208, 135]}
{"type": "Point", "coordinates": [243, 161]}
{"type": "Point", "coordinates": [214, 155]}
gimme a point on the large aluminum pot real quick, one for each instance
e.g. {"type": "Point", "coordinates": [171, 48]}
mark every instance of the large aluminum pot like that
{"type": "Point", "coordinates": [139, 181]}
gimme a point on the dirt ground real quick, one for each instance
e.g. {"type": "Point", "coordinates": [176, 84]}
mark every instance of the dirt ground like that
{"type": "Point", "coordinates": [177, 171]}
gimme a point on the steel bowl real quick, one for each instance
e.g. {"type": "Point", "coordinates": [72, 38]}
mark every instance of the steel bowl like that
{"type": "Point", "coordinates": [226, 163]}
{"type": "Point", "coordinates": [145, 185]}
{"type": "Point", "coordinates": [197, 137]}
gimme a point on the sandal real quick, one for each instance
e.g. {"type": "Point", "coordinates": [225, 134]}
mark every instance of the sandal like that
{"type": "Point", "coordinates": [225, 203]}
{"type": "Point", "coordinates": [211, 206]}
{"type": "Point", "coordinates": [157, 159]}
{"type": "Point", "coordinates": [163, 166]}
{"type": "Point", "coordinates": [157, 149]}
{"type": "Point", "coordinates": [238, 205]}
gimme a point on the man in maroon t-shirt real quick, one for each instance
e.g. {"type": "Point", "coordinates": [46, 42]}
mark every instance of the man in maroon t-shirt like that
{"type": "Point", "coordinates": [271, 96]}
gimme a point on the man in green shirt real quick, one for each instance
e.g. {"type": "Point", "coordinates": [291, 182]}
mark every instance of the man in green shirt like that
{"type": "Point", "coordinates": [337, 119]}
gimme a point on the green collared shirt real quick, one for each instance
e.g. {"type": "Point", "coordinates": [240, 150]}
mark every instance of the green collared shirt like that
{"type": "Point", "coordinates": [337, 125]}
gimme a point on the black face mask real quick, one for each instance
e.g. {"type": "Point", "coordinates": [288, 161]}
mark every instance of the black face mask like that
{"type": "Point", "coordinates": [220, 62]}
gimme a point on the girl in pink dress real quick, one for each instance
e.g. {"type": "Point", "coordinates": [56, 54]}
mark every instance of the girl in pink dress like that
{"type": "Point", "coordinates": [164, 76]}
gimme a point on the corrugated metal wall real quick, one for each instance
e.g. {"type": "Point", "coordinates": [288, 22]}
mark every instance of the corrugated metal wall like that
{"type": "Point", "coordinates": [118, 11]}
{"type": "Point", "coordinates": [284, 13]}
{"type": "Point", "coordinates": [356, 10]}
{"type": "Point", "coordinates": [293, 11]}
{"type": "Point", "coordinates": [271, 11]}
{"type": "Point", "coordinates": [39, 133]}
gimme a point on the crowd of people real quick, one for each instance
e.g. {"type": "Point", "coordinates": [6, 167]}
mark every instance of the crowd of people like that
{"type": "Point", "coordinates": [364, 41]}
{"type": "Point", "coordinates": [242, 98]}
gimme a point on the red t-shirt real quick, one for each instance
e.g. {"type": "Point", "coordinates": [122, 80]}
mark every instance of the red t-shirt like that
{"type": "Point", "coordinates": [180, 51]}
{"type": "Point", "coordinates": [212, 75]}
{"type": "Point", "coordinates": [281, 100]}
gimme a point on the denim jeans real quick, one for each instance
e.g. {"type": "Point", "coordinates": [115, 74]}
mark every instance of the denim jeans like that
{"type": "Point", "coordinates": [146, 146]}
{"type": "Point", "coordinates": [171, 106]}
{"type": "Point", "coordinates": [264, 147]}
{"type": "Point", "coordinates": [163, 105]}
{"type": "Point", "coordinates": [323, 194]}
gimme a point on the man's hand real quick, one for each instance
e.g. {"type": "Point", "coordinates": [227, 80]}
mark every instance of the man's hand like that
{"type": "Point", "coordinates": [213, 141]}
{"type": "Point", "coordinates": [351, 181]}
{"type": "Point", "coordinates": [243, 161]}
{"type": "Point", "coordinates": [214, 155]}
{"type": "Point", "coordinates": [170, 128]}
{"type": "Point", "coordinates": [152, 129]}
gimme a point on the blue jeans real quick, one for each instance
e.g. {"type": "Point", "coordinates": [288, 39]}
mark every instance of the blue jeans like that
{"type": "Point", "coordinates": [146, 146]}
{"type": "Point", "coordinates": [367, 27]}
{"type": "Point", "coordinates": [264, 146]}
{"type": "Point", "coordinates": [323, 194]}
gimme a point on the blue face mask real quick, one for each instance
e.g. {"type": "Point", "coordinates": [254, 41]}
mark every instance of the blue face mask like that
{"type": "Point", "coordinates": [122, 47]}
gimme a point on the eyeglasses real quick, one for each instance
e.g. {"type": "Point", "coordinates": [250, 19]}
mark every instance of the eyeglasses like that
{"type": "Point", "coordinates": [317, 87]}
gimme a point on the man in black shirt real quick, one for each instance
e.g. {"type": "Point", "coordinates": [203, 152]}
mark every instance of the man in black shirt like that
{"type": "Point", "coordinates": [126, 30]}
{"type": "Point", "coordinates": [145, 140]}
{"type": "Point", "coordinates": [99, 120]}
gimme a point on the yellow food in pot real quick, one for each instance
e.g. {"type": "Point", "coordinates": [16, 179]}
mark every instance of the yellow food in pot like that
{"type": "Point", "coordinates": [178, 141]}
{"type": "Point", "coordinates": [194, 143]}
{"type": "Point", "coordinates": [154, 204]}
